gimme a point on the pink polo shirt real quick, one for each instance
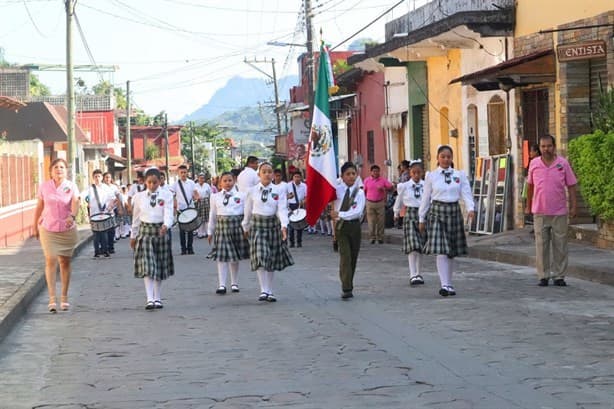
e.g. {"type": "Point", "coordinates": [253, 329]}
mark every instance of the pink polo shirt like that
{"type": "Point", "coordinates": [373, 190]}
{"type": "Point", "coordinates": [550, 186]}
{"type": "Point", "coordinates": [57, 204]}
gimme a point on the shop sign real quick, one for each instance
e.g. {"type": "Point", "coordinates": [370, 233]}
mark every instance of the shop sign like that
{"type": "Point", "coordinates": [581, 51]}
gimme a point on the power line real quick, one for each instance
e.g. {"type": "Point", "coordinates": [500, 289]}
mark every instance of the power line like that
{"type": "Point", "coordinates": [25, 3]}
{"type": "Point", "coordinates": [88, 51]}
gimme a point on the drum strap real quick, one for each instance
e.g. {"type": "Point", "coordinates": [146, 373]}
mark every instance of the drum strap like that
{"type": "Point", "coordinates": [98, 199]}
{"type": "Point", "coordinates": [185, 197]}
{"type": "Point", "coordinates": [295, 194]}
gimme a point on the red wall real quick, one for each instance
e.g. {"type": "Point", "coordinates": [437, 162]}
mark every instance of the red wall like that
{"type": "Point", "coordinates": [144, 135]}
{"type": "Point", "coordinates": [16, 223]}
{"type": "Point", "coordinates": [370, 90]}
{"type": "Point", "coordinates": [99, 124]}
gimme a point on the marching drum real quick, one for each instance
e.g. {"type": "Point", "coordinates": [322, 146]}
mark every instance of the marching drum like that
{"type": "Point", "coordinates": [102, 222]}
{"type": "Point", "coordinates": [188, 219]}
{"type": "Point", "coordinates": [297, 219]}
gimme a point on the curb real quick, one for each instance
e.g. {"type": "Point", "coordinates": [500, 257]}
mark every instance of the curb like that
{"type": "Point", "coordinates": [20, 301]}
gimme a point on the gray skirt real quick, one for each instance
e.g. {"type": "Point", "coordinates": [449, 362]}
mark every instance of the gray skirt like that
{"type": "Point", "coordinates": [229, 243]}
{"type": "Point", "coordinates": [267, 249]}
{"type": "Point", "coordinates": [412, 239]}
{"type": "Point", "coordinates": [152, 253]}
{"type": "Point", "coordinates": [445, 230]}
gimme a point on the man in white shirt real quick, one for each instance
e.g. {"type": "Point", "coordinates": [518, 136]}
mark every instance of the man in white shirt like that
{"type": "Point", "coordinates": [248, 177]}
{"type": "Point", "coordinates": [113, 234]}
{"type": "Point", "coordinates": [185, 194]}
{"type": "Point", "coordinates": [100, 199]}
{"type": "Point", "coordinates": [296, 192]}
{"type": "Point", "coordinates": [139, 186]}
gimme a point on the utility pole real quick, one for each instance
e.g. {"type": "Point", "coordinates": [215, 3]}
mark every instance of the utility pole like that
{"type": "Point", "coordinates": [276, 89]}
{"type": "Point", "coordinates": [128, 134]}
{"type": "Point", "coordinates": [70, 92]}
{"type": "Point", "coordinates": [310, 70]}
{"type": "Point", "coordinates": [166, 142]}
{"type": "Point", "coordinates": [191, 127]}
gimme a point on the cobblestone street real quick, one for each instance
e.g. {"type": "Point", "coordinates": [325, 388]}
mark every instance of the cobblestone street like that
{"type": "Point", "coordinates": [502, 342]}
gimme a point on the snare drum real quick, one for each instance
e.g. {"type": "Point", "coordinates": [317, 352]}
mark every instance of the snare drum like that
{"type": "Point", "coordinates": [297, 219]}
{"type": "Point", "coordinates": [102, 222]}
{"type": "Point", "coordinates": [189, 220]}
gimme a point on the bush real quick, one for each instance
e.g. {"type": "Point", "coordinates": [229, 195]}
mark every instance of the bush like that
{"type": "Point", "coordinates": [591, 157]}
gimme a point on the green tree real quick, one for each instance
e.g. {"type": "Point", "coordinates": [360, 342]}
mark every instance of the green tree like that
{"type": "Point", "coordinates": [105, 88]}
{"type": "Point", "coordinates": [37, 88]}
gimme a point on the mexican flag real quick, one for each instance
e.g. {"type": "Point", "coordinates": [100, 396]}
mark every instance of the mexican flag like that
{"type": "Point", "coordinates": [321, 163]}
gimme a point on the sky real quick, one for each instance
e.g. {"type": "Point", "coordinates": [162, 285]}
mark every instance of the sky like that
{"type": "Point", "coordinates": [177, 53]}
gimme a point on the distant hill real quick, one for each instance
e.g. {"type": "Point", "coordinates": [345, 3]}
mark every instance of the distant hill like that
{"type": "Point", "coordinates": [239, 93]}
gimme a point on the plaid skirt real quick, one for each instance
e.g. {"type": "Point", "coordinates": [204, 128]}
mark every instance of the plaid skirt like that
{"type": "Point", "coordinates": [412, 239]}
{"type": "Point", "coordinates": [229, 244]}
{"type": "Point", "coordinates": [152, 253]}
{"type": "Point", "coordinates": [266, 248]}
{"type": "Point", "coordinates": [203, 206]}
{"type": "Point", "coordinates": [445, 230]}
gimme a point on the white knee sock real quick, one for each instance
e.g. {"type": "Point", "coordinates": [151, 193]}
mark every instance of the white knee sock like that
{"type": "Point", "coordinates": [234, 272]}
{"type": "Point", "coordinates": [222, 273]}
{"type": "Point", "coordinates": [412, 258]}
{"type": "Point", "coordinates": [270, 281]}
{"type": "Point", "coordinates": [157, 289]}
{"type": "Point", "coordinates": [443, 269]}
{"type": "Point", "coordinates": [261, 279]}
{"type": "Point", "coordinates": [149, 288]}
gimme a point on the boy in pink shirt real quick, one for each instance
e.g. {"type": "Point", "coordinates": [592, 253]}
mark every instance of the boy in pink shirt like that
{"type": "Point", "coordinates": [550, 181]}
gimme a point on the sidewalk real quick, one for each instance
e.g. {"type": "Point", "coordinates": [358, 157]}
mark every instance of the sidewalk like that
{"type": "Point", "coordinates": [518, 247]}
{"type": "Point", "coordinates": [22, 277]}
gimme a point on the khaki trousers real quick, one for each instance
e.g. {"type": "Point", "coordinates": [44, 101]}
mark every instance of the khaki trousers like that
{"type": "Point", "coordinates": [348, 240]}
{"type": "Point", "coordinates": [550, 234]}
{"type": "Point", "coordinates": [376, 217]}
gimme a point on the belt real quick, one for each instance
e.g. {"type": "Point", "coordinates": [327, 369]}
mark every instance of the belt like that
{"type": "Point", "coordinates": [351, 221]}
{"type": "Point", "coordinates": [375, 201]}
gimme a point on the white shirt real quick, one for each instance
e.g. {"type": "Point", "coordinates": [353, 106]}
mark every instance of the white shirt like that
{"type": "Point", "coordinates": [275, 204]}
{"type": "Point", "coordinates": [134, 189]}
{"type": "Point", "coordinates": [203, 190]}
{"type": "Point", "coordinates": [436, 188]}
{"type": "Point", "coordinates": [144, 212]}
{"type": "Point", "coordinates": [188, 187]}
{"type": "Point", "coordinates": [247, 179]}
{"type": "Point", "coordinates": [301, 191]}
{"type": "Point", "coordinates": [106, 196]}
{"type": "Point", "coordinates": [409, 194]}
{"type": "Point", "coordinates": [234, 205]}
{"type": "Point", "coordinates": [357, 206]}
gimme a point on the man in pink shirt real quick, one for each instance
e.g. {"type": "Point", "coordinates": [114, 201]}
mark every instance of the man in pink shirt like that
{"type": "Point", "coordinates": [550, 181]}
{"type": "Point", "coordinates": [376, 190]}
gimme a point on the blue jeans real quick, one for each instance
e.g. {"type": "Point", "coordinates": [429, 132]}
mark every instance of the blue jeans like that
{"type": "Point", "coordinates": [101, 243]}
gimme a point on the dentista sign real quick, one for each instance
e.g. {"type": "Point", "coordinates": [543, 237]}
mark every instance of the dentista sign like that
{"type": "Point", "coordinates": [581, 51]}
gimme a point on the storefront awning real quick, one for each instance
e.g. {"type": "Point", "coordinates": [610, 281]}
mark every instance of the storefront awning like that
{"type": "Point", "coordinates": [534, 68]}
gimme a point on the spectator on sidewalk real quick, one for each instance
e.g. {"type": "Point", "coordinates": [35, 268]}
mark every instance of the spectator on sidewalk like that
{"type": "Point", "coordinates": [550, 181]}
{"type": "Point", "coordinates": [376, 191]}
{"type": "Point", "coordinates": [248, 177]}
{"type": "Point", "coordinates": [54, 224]}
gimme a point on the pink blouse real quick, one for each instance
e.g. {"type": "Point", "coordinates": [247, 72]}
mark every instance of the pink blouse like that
{"type": "Point", "coordinates": [58, 202]}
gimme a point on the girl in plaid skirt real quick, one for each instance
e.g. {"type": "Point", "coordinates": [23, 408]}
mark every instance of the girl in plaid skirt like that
{"type": "Point", "coordinates": [409, 197]}
{"type": "Point", "coordinates": [152, 218]}
{"type": "Point", "coordinates": [265, 223]}
{"type": "Point", "coordinates": [443, 189]}
{"type": "Point", "coordinates": [225, 231]}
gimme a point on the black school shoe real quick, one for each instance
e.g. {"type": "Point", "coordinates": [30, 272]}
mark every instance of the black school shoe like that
{"type": "Point", "coordinates": [559, 282]}
{"type": "Point", "coordinates": [443, 292]}
{"type": "Point", "coordinates": [543, 282]}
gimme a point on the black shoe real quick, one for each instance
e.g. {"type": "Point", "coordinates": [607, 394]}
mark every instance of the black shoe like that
{"type": "Point", "coordinates": [184, 252]}
{"type": "Point", "coordinates": [443, 292]}
{"type": "Point", "coordinates": [112, 251]}
{"type": "Point", "coordinates": [263, 297]}
{"type": "Point", "coordinates": [380, 241]}
{"type": "Point", "coordinates": [372, 241]}
{"type": "Point", "coordinates": [150, 305]}
{"type": "Point", "coordinates": [417, 280]}
{"type": "Point", "coordinates": [559, 282]}
{"type": "Point", "coordinates": [158, 304]}
{"type": "Point", "coordinates": [190, 251]}
{"type": "Point", "coordinates": [221, 290]}
{"type": "Point", "coordinates": [291, 245]}
{"type": "Point", "coordinates": [543, 282]}
{"type": "Point", "coordinates": [299, 245]}
{"type": "Point", "coordinates": [96, 256]}
{"type": "Point", "coordinates": [271, 298]}
{"type": "Point", "coordinates": [107, 255]}
{"type": "Point", "coordinates": [451, 290]}
{"type": "Point", "coordinates": [234, 288]}
{"type": "Point", "coordinates": [347, 294]}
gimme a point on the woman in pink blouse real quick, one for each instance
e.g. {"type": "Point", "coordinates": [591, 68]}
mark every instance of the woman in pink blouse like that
{"type": "Point", "coordinates": [54, 225]}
